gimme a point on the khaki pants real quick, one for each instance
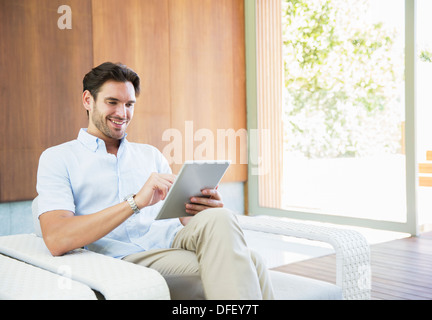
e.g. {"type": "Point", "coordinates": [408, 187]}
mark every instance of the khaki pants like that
{"type": "Point", "coordinates": [212, 246]}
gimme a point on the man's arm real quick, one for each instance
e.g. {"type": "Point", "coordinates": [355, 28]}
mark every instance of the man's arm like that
{"type": "Point", "coordinates": [63, 231]}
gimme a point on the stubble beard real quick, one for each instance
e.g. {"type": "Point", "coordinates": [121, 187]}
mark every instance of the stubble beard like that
{"type": "Point", "coordinates": [101, 123]}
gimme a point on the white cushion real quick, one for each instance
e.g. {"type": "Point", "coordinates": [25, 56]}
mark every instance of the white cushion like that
{"type": "Point", "coordinates": [113, 278]}
{"type": "Point", "coordinates": [291, 287]}
{"type": "Point", "coordinates": [21, 281]}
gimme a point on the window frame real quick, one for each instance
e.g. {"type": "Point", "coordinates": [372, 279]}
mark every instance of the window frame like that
{"type": "Point", "coordinates": [411, 224]}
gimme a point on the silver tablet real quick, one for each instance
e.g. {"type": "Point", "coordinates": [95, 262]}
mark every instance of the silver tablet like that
{"type": "Point", "coordinates": [193, 177]}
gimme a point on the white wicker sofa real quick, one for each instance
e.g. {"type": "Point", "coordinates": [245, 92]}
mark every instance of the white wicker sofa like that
{"type": "Point", "coordinates": [29, 271]}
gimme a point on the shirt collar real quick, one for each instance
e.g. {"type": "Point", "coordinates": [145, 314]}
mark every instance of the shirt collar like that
{"type": "Point", "coordinates": [93, 143]}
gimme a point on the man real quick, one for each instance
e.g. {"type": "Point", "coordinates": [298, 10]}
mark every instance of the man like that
{"type": "Point", "coordinates": [103, 192]}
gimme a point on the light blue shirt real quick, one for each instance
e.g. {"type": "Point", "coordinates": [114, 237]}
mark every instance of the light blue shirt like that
{"type": "Point", "coordinates": [82, 177]}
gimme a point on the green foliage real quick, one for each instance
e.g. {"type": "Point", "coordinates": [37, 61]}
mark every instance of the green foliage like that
{"type": "Point", "coordinates": [341, 80]}
{"type": "Point", "coordinates": [426, 56]}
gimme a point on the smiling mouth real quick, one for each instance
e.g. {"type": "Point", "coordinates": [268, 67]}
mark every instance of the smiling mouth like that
{"type": "Point", "coordinates": [117, 122]}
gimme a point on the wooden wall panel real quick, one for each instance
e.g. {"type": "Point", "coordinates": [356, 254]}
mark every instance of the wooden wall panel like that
{"type": "Point", "coordinates": [135, 32]}
{"type": "Point", "coordinates": [208, 74]}
{"type": "Point", "coordinates": [40, 86]}
{"type": "Point", "coordinates": [188, 53]}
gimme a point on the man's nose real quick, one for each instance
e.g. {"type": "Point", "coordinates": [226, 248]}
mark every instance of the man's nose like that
{"type": "Point", "coordinates": [121, 111]}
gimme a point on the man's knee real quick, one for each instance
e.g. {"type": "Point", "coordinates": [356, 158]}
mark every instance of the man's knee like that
{"type": "Point", "coordinates": [217, 215]}
{"type": "Point", "coordinates": [220, 223]}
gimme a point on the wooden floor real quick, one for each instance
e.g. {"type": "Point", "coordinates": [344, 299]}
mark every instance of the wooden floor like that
{"type": "Point", "coordinates": [401, 269]}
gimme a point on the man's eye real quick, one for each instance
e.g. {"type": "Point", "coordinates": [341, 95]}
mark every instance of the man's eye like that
{"type": "Point", "coordinates": [113, 103]}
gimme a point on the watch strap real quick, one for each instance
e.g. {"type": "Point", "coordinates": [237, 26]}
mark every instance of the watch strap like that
{"type": "Point", "coordinates": [130, 199]}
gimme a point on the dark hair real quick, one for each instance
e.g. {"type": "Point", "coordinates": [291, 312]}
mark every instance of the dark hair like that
{"type": "Point", "coordinates": [94, 80]}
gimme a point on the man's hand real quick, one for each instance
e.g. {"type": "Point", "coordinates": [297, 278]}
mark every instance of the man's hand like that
{"type": "Point", "coordinates": [211, 199]}
{"type": "Point", "coordinates": [154, 190]}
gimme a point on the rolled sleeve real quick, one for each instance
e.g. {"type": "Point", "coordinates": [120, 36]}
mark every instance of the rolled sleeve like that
{"type": "Point", "coordinates": [53, 183]}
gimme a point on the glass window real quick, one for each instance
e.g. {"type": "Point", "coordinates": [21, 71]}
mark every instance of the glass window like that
{"type": "Point", "coordinates": [344, 108]}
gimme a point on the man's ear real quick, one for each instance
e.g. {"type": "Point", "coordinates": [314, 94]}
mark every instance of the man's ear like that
{"type": "Point", "coordinates": [87, 100]}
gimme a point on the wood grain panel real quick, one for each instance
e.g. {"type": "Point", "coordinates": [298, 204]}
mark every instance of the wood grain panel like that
{"type": "Point", "coordinates": [400, 269]}
{"type": "Point", "coordinates": [269, 74]}
{"type": "Point", "coordinates": [425, 167]}
{"type": "Point", "coordinates": [135, 32]}
{"type": "Point", "coordinates": [40, 85]}
{"type": "Point", "coordinates": [208, 77]}
{"type": "Point", "coordinates": [425, 181]}
{"type": "Point", "coordinates": [188, 53]}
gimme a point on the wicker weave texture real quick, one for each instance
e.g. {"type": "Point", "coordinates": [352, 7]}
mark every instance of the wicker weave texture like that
{"type": "Point", "coordinates": [353, 273]}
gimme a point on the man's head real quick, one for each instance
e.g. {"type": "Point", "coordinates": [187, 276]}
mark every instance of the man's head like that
{"type": "Point", "coordinates": [109, 94]}
{"type": "Point", "coordinates": [94, 80]}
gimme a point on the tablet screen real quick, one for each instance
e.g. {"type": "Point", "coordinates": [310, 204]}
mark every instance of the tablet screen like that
{"type": "Point", "coordinates": [193, 177]}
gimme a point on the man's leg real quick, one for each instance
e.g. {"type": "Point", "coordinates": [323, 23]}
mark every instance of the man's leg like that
{"type": "Point", "coordinates": [179, 268]}
{"type": "Point", "coordinates": [263, 276]}
{"type": "Point", "coordinates": [210, 252]}
{"type": "Point", "coordinates": [227, 267]}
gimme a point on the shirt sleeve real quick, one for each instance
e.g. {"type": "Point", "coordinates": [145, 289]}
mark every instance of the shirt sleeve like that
{"type": "Point", "coordinates": [53, 183]}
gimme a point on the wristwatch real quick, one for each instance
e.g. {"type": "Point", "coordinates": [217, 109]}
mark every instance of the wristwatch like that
{"type": "Point", "coordinates": [130, 199]}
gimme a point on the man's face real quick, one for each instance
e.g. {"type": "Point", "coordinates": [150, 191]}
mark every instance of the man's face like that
{"type": "Point", "coordinates": [113, 110]}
